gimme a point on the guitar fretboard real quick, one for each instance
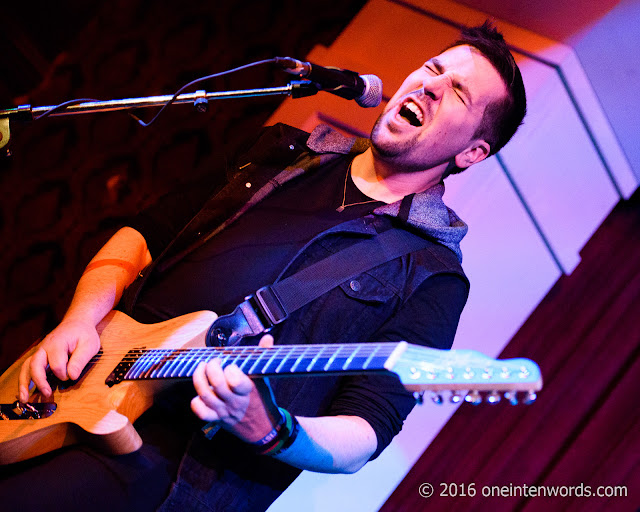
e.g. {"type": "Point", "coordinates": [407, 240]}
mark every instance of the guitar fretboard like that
{"type": "Point", "coordinates": [141, 364]}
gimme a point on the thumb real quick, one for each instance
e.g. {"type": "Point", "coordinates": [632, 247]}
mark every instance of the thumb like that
{"type": "Point", "coordinates": [266, 341]}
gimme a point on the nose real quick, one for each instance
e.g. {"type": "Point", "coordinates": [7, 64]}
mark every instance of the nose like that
{"type": "Point", "coordinates": [435, 86]}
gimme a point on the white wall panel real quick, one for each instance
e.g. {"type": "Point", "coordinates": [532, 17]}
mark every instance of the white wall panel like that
{"type": "Point", "coordinates": [509, 266]}
{"type": "Point", "coordinates": [556, 167]}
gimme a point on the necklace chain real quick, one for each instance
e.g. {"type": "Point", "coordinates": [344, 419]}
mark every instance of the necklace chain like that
{"type": "Point", "coordinates": [344, 193]}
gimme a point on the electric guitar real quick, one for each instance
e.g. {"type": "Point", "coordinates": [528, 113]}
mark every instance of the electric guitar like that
{"type": "Point", "coordinates": [136, 361]}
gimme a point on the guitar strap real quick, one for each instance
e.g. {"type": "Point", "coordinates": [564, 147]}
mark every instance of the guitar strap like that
{"type": "Point", "coordinates": [272, 304]}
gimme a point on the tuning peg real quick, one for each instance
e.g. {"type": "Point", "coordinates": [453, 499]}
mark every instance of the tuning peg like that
{"type": "Point", "coordinates": [494, 397]}
{"type": "Point", "coordinates": [530, 397]}
{"type": "Point", "coordinates": [436, 398]}
{"type": "Point", "coordinates": [456, 397]}
{"type": "Point", "coordinates": [418, 397]}
{"type": "Point", "coordinates": [474, 398]}
{"type": "Point", "coordinates": [512, 396]}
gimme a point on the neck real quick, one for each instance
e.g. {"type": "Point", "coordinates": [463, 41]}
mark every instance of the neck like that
{"type": "Point", "coordinates": [385, 182]}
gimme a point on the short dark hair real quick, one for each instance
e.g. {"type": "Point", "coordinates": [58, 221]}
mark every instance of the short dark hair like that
{"type": "Point", "coordinates": [501, 118]}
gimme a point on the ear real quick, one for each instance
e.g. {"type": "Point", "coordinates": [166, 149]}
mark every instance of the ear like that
{"type": "Point", "coordinates": [476, 152]}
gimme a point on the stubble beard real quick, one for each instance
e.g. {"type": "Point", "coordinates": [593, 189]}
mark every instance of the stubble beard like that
{"type": "Point", "coordinates": [388, 149]}
{"type": "Point", "coordinates": [395, 152]}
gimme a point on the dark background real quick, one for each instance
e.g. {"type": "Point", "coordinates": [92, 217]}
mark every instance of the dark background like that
{"type": "Point", "coordinates": [71, 182]}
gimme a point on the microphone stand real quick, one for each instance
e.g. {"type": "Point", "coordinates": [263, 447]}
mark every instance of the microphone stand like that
{"type": "Point", "coordinates": [200, 100]}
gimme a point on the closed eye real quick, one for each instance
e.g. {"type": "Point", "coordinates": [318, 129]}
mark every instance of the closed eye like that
{"type": "Point", "coordinates": [436, 68]}
{"type": "Point", "coordinates": [460, 97]}
{"type": "Point", "coordinates": [432, 69]}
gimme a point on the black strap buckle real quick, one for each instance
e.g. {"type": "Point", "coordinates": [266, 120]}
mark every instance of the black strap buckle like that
{"type": "Point", "coordinates": [270, 305]}
{"type": "Point", "coordinates": [256, 315]}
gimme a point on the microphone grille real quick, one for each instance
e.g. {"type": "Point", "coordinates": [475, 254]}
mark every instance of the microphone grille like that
{"type": "Point", "coordinates": [372, 95]}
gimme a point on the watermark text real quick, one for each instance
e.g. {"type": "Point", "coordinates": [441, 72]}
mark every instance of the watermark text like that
{"type": "Point", "coordinates": [454, 490]}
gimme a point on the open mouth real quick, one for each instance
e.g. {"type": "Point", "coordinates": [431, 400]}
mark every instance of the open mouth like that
{"type": "Point", "coordinates": [412, 113]}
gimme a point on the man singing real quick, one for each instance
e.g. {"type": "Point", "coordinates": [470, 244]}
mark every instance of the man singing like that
{"type": "Point", "coordinates": [292, 199]}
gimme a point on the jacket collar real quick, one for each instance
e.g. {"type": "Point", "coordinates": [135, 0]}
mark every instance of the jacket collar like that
{"type": "Point", "coordinates": [424, 211]}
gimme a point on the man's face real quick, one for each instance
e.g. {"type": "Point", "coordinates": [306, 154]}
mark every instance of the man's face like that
{"type": "Point", "coordinates": [437, 109]}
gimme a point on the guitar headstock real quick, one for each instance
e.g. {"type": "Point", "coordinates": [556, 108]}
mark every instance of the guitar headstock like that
{"type": "Point", "coordinates": [467, 374]}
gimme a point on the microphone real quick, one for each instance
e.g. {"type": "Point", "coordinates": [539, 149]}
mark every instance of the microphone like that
{"type": "Point", "coordinates": [365, 89]}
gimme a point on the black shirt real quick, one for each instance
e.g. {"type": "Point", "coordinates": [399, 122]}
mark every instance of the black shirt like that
{"type": "Point", "coordinates": [252, 252]}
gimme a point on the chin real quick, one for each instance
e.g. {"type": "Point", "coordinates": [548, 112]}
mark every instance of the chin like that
{"type": "Point", "coordinates": [389, 145]}
{"type": "Point", "coordinates": [383, 141]}
{"type": "Point", "coordinates": [385, 149]}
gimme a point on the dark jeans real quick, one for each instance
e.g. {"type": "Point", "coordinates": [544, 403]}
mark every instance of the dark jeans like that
{"type": "Point", "coordinates": [78, 478]}
{"type": "Point", "coordinates": [223, 474]}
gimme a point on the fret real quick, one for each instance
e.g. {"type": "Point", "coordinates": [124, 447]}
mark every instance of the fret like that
{"type": "Point", "coordinates": [351, 358]}
{"type": "Point", "coordinates": [338, 359]}
{"type": "Point", "coordinates": [164, 364]}
{"type": "Point", "coordinates": [270, 360]}
{"type": "Point", "coordinates": [172, 361]}
{"type": "Point", "coordinates": [324, 360]}
{"type": "Point", "coordinates": [131, 372]}
{"type": "Point", "coordinates": [360, 359]}
{"type": "Point", "coordinates": [320, 360]}
{"type": "Point", "coordinates": [287, 363]}
{"type": "Point", "coordinates": [252, 353]}
{"type": "Point", "coordinates": [313, 361]}
{"type": "Point", "coordinates": [330, 360]}
{"type": "Point", "coordinates": [258, 364]}
{"type": "Point", "coordinates": [299, 359]}
{"type": "Point", "coordinates": [191, 364]}
{"type": "Point", "coordinates": [140, 366]}
{"type": "Point", "coordinates": [238, 353]}
{"type": "Point", "coordinates": [183, 361]}
{"type": "Point", "coordinates": [157, 365]}
{"type": "Point", "coordinates": [370, 358]}
{"type": "Point", "coordinates": [154, 357]}
{"type": "Point", "coordinates": [377, 363]}
{"type": "Point", "coordinates": [223, 359]}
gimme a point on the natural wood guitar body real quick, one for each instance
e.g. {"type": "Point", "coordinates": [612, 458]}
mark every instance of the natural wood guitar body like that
{"type": "Point", "coordinates": [89, 410]}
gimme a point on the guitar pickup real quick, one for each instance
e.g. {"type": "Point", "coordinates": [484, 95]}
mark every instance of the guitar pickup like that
{"type": "Point", "coordinates": [27, 410]}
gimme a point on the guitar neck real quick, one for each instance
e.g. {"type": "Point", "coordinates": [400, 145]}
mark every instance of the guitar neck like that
{"type": "Point", "coordinates": [142, 364]}
{"type": "Point", "coordinates": [418, 368]}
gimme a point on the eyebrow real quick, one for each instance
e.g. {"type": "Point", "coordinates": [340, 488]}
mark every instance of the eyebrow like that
{"type": "Point", "coordinates": [456, 83]}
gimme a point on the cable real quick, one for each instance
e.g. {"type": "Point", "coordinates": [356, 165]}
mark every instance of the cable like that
{"type": "Point", "coordinates": [65, 104]}
{"type": "Point", "coordinates": [196, 81]}
{"type": "Point", "coordinates": [140, 121]}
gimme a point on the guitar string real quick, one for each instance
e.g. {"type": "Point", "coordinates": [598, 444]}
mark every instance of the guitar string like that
{"type": "Point", "coordinates": [157, 362]}
{"type": "Point", "coordinates": [211, 352]}
{"type": "Point", "coordinates": [312, 349]}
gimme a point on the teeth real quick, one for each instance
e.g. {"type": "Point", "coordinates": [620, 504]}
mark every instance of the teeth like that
{"type": "Point", "coordinates": [417, 112]}
{"type": "Point", "coordinates": [412, 113]}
